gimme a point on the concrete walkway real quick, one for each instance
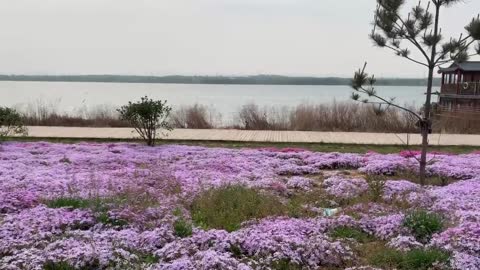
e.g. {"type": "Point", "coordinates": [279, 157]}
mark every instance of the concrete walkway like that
{"type": "Point", "coordinates": [257, 136]}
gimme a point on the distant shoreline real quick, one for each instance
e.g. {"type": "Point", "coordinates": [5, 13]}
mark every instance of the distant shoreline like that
{"type": "Point", "coordinates": [237, 80]}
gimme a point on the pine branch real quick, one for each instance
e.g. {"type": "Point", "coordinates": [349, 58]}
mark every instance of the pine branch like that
{"type": "Point", "coordinates": [402, 54]}
{"type": "Point", "coordinates": [386, 102]}
{"type": "Point", "coordinates": [457, 44]}
{"type": "Point", "coordinates": [410, 38]}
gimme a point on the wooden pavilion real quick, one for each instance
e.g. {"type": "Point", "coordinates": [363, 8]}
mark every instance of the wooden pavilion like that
{"type": "Point", "coordinates": [460, 90]}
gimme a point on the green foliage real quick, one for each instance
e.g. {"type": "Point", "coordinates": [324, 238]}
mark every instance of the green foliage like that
{"type": "Point", "coordinates": [148, 258]}
{"type": "Point", "coordinates": [147, 116]}
{"type": "Point", "coordinates": [182, 228]}
{"type": "Point", "coordinates": [376, 186]}
{"type": "Point", "coordinates": [50, 265]}
{"type": "Point", "coordinates": [104, 218]}
{"type": "Point", "coordinates": [423, 259]}
{"type": "Point", "coordinates": [99, 206]}
{"type": "Point", "coordinates": [317, 198]}
{"type": "Point", "coordinates": [418, 259]}
{"type": "Point", "coordinates": [227, 207]}
{"type": "Point", "coordinates": [350, 233]}
{"type": "Point", "coordinates": [419, 29]}
{"type": "Point", "coordinates": [473, 28]}
{"type": "Point", "coordinates": [236, 251]}
{"type": "Point", "coordinates": [75, 203]}
{"type": "Point", "coordinates": [423, 224]}
{"type": "Point", "coordinates": [11, 123]}
{"type": "Point", "coordinates": [285, 265]}
{"type": "Point", "coordinates": [387, 258]}
{"type": "Point", "coordinates": [58, 266]}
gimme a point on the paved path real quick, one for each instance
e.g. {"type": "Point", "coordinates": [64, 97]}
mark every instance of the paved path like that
{"type": "Point", "coordinates": [257, 136]}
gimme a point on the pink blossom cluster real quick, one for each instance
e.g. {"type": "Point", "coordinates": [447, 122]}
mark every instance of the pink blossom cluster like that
{"type": "Point", "coordinates": [460, 200]}
{"type": "Point", "coordinates": [404, 243]}
{"type": "Point", "coordinates": [151, 184]}
{"type": "Point", "coordinates": [345, 188]}
{"type": "Point", "coordinates": [407, 192]}
{"type": "Point", "coordinates": [300, 183]}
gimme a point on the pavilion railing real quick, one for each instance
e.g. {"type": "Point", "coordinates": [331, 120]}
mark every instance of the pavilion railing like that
{"type": "Point", "coordinates": [466, 88]}
{"type": "Point", "coordinates": [458, 109]}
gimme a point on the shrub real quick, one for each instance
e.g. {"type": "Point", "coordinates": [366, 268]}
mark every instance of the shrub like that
{"type": "Point", "coordinates": [227, 207]}
{"type": "Point", "coordinates": [423, 224]}
{"type": "Point", "coordinates": [417, 259]}
{"type": "Point", "coordinates": [147, 116]}
{"type": "Point", "coordinates": [11, 123]}
{"type": "Point", "coordinates": [351, 233]}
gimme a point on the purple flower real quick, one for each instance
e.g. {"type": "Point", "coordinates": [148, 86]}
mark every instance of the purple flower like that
{"type": "Point", "coordinates": [345, 188]}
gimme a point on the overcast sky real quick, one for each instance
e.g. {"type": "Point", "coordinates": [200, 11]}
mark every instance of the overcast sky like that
{"type": "Point", "coordinates": [200, 37]}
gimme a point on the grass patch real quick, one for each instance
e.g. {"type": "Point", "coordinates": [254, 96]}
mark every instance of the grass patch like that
{"type": "Point", "coordinates": [75, 203]}
{"type": "Point", "coordinates": [423, 224]}
{"type": "Point", "coordinates": [99, 206]}
{"type": "Point", "coordinates": [104, 218]}
{"type": "Point", "coordinates": [432, 180]}
{"type": "Point", "coordinates": [316, 198]}
{"type": "Point", "coordinates": [376, 186]}
{"type": "Point", "coordinates": [316, 147]}
{"type": "Point", "coordinates": [58, 266]}
{"type": "Point", "coordinates": [418, 259]}
{"type": "Point", "coordinates": [423, 259]}
{"type": "Point", "coordinates": [351, 233]}
{"type": "Point", "coordinates": [386, 258]}
{"type": "Point", "coordinates": [227, 207]}
{"type": "Point", "coordinates": [148, 258]}
{"type": "Point", "coordinates": [285, 265]}
{"type": "Point", "coordinates": [182, 228]}
{"type": "Point", "coordinates": [66, 266]}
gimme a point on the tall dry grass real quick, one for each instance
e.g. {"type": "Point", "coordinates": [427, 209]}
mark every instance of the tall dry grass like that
{"type": "Point", "coordinates": [41, 113]}
{"type": "Point", "coordinates": [195, 117]}
{"type": "Point", "coordinates": [336, 116]}
{"type": "Point", "coordinates": [345, 116]}
{"type": "Point", "coordinates": [457, 123]}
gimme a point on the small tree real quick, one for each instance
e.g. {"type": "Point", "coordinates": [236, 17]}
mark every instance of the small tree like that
{"type": "Point", "coordinates": [420, 30]}
{"type": "Point", "coordinates": [147, 116]}
{"type": "Point", "coordinates": [11, 123]}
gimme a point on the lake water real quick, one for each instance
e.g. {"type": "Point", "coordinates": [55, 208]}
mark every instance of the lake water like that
{"type": "Point", "coordinates": [225, 99]}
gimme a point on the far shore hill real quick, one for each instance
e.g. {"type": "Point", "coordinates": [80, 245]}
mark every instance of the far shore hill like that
{"type": "Point", "coordinates": [235, 80]}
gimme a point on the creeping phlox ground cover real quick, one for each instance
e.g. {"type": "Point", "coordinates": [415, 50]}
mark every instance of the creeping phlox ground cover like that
{"type": "Point", "coordinates": [127, 206]}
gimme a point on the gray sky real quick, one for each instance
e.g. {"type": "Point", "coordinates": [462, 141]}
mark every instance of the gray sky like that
{"type": "Point", "coordinates": [200, 37]}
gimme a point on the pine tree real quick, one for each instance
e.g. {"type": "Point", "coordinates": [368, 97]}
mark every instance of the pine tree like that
{"type": "Point", "coordinates": [419, 30]}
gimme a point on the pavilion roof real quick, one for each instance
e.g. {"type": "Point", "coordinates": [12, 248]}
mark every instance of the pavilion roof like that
{"type": "Point", "coordinates": [470, 66]}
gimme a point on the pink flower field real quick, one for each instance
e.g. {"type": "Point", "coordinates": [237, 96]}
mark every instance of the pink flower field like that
{"type": "Point", "coordinates": [128, 206]}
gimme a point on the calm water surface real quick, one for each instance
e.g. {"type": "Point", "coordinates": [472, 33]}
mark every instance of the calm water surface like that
{"type": "Point", "coordinates": [69, 97]}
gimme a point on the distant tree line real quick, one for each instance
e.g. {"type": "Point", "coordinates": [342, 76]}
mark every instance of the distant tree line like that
{"type": "Point", "coordinates": [257, 79]}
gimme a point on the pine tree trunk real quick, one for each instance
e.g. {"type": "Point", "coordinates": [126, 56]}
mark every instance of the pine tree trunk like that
{"type": "Point", "coordinates": [425, 127]}
{"type": "Point", "coordinates": [427, 123]}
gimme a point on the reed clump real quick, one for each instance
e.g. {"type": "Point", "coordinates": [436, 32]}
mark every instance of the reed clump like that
{"type": "Point", "coordinates": [335, 117]}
